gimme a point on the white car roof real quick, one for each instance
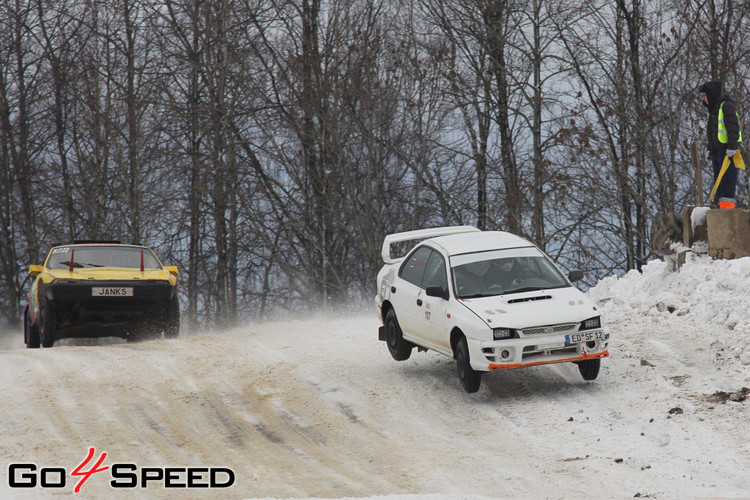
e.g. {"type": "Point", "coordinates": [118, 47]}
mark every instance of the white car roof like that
{"type": "Point", "coordinates": [456, 244]}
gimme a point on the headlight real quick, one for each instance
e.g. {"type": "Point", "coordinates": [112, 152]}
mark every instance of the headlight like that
{"type": "Point", "coordinates": [591, 323]}
{"type": "Point", "coordinates": [503, 333]}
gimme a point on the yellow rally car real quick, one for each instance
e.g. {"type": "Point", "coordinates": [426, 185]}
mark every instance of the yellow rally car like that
{"type": "Point", "coordinates": [101, 289]}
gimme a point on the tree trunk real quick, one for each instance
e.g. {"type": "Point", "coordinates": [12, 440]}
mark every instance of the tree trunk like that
{"type": "Point", "coordinates": [536, 131]}
{"type": "Point", "coordinates": [495, 22]}
{"type": "Point", "coordinates": [133, 170]}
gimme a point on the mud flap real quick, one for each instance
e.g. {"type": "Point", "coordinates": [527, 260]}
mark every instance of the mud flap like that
{"type": "Point", "coordinates": [381, 333]}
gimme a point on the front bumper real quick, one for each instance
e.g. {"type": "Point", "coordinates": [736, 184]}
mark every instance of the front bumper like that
{"type": "Point", "coordinates": [529, 351]}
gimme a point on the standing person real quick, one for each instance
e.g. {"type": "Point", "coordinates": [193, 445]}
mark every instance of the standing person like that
{"type": "Point", "coordinates": [724, 136]}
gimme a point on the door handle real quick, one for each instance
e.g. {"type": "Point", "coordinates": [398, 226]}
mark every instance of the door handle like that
{"type": "Point", "coordinates": [419, 302]}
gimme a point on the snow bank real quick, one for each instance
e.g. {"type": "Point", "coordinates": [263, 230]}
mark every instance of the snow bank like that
{"type": "Point", "coordinates": [708, 298]}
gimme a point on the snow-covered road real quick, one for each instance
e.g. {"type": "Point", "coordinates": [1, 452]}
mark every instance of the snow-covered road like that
{"type": "Point", "coordinates": [318, 408]}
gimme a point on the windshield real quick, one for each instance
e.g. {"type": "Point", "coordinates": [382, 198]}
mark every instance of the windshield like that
{"type": "Point", "coordinates": [102, 256]}
{"type": "Point", "coordinates": [500, 272]}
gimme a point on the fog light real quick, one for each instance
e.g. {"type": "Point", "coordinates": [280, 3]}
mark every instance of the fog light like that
{"type": "Point", "coordinates": [505, 354]}
{"type": "Point", "coordinates": [590, 344]}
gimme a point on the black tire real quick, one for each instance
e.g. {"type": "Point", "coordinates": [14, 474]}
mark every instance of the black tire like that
{"type": "Point", "coordinates": [145, 330]}
{"type": "Point", "coordinates": [48, 324]}
{"type": "Point", "coordinates": [399, 348]}
{"type": "Point", "coordinates": [470, 379]}
{"type": "Point", "coordinates": [172, 321]}
{"type": "Point", "coordinates": [589, 368]}
{"type": "Point", "coordinates": [30, 333]}
{"type": "Point", "coordinates": [135, 335]}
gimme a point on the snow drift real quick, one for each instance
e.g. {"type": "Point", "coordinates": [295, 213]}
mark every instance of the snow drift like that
{"type": "Point", "coordinates": [706, 303]}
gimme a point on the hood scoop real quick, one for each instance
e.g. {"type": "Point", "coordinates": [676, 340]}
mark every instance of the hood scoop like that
{"type": "Point", "coordinates": [530, 299]}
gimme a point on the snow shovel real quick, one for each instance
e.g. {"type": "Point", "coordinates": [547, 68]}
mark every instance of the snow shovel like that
{"type": "Point", "coordinates": [738, 163]}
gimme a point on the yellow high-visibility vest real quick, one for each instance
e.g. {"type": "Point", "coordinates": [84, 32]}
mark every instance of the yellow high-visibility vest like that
{"type": "Point", "coordinates": [723, 136]}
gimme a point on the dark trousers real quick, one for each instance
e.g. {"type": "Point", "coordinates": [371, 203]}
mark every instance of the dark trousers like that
{"type": "Point", "coordinates": [728, 186]}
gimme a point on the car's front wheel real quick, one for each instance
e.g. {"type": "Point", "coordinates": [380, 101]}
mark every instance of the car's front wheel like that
{"type": "Point", "coordinates": [399, 348]}
{"type": "Point", "coordinates": [30, 333]}
{"type": "Point", "coordinates": [48, 324]}
{"type": "Point", "coordinates": [589, 368]}
{"type": "Point", "coordinates": [470, 378]}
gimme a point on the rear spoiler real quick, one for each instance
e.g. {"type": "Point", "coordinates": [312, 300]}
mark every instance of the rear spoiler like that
{"type": "Point", "coordinates": [419, 234]}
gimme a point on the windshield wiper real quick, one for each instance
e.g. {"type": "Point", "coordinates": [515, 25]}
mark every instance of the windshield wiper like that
{"type": "Point", "coordinates": [557, 286]}
{"type": "Point", "coordinates": [75, 264]}
{"type": "Point", "coordinates": [480, 295]}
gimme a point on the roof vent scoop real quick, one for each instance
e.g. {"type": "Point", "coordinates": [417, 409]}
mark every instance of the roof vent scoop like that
{"type": "Point", "coordinates": [530, 299]}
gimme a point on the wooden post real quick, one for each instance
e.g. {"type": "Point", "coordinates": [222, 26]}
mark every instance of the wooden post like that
{"type": "Point", "coordinates": [698, 176]}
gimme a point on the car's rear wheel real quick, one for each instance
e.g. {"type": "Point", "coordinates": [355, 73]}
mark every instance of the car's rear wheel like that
{"type": "Point", "coordinates": [48, 324]}
{"type": "Point", "coordinates": [172, 321]}
{"type": "Point", "coordinates": [470, 378]}
{"type": "Point", "coordinates": [30, 333]}
{"type": "Point", "coordinates": [589, 368]}
{"type": "Point", "coordinates": [399, 348]}
{"type": "Point", "coordinates": [145, 329]}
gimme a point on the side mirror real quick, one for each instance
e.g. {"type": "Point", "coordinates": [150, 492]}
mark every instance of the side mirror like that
{"type": "Point", "coordinates": [172, 270]}
{"type": "Point", "coordinates": [35, 270]}
{"type": "Point", "coordinates": [574, 276]}
{"type": "Point", "coordinates": [437, 291]}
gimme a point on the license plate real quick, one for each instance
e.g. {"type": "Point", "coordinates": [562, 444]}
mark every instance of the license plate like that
{"type": "Point", "coordinates": [111, 291]}
{"type": "Point", "coordinates": [577, 338]}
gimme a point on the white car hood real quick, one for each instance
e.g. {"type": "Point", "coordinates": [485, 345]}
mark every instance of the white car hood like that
{"type": "Point", "coordinates": [538, 308]}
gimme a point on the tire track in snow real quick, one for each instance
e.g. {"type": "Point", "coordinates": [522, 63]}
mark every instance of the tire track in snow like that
{"type": "Point", "coordinates": [298, 418]}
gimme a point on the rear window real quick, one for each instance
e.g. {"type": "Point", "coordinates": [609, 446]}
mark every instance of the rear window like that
{"type": "Point", "coordinates": [101, 256]}
{"type": "Point", "coordinates": [414, 267]}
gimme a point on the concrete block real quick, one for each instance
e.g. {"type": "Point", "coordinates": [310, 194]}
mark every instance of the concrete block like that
{"type": "Point", "coordinates": [701, 233]}
{"type": "Point", "coordinates": [728, 233]}
{"type": "Point", "coordinates": [687, 230]}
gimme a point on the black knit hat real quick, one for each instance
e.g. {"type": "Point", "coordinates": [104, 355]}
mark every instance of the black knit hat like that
{"type": "Point", "coordinates": [712, 90]}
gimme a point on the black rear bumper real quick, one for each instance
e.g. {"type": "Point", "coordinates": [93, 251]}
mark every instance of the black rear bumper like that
{"type": "Point", "coordinates": [70, 292]}
{"type": "Point", "coordinates": [79, 313]}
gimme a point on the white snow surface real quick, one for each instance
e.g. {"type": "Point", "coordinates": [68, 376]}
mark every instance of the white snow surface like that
{"type": "Point", "coordinates": [317, 407]}
{"type": "Point", "coordinates": [698, 216]}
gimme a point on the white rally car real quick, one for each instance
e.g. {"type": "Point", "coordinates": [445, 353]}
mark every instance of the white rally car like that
{"type": "Point", "coordinates": [489, 299]}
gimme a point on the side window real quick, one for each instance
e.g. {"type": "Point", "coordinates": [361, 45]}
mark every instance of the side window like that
{"type": "Point", "coordinates": [413, 269]}
{"type": "Point", "coordinates": [435, 273]}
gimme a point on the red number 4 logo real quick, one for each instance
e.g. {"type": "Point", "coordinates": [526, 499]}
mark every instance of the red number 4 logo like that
{"type": "Point", "coordinates": [87, 474]}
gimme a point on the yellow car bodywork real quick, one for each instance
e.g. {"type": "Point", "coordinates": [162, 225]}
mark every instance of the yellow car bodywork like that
{"type": "Point", "coordinates": [126, 292]}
